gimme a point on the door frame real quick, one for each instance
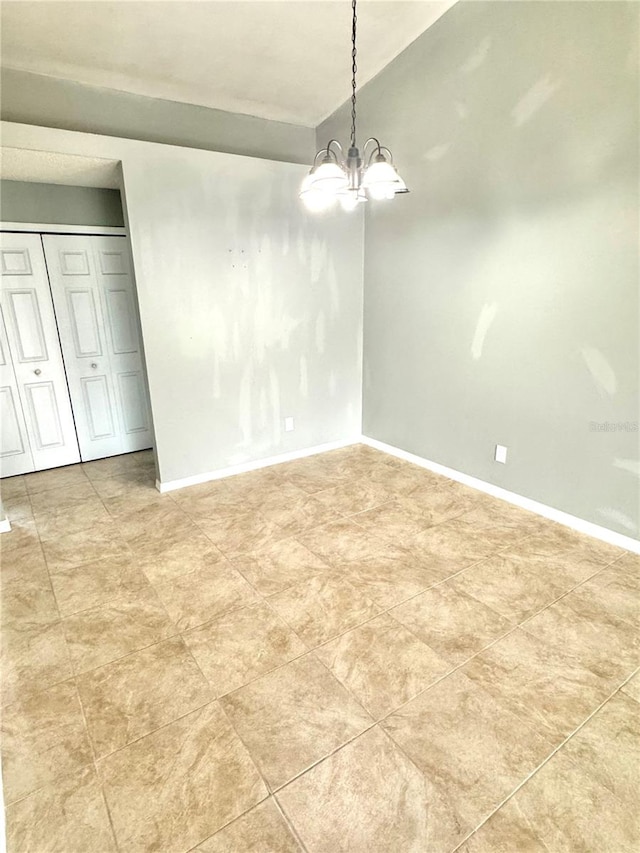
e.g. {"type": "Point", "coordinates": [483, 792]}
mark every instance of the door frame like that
{"type": "Point", "coordinates": [86, 230]}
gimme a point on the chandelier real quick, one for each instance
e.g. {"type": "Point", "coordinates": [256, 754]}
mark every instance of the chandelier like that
{"type": "Point", "coordinates": [354, 178]}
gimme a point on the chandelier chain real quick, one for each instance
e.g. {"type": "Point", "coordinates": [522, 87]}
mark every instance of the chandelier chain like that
{"type": "Point", "coordinates": [354, 68]}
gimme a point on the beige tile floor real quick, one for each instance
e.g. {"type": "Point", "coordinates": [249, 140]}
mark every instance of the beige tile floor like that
{"type": "Point", "coordinates": [343, 653]}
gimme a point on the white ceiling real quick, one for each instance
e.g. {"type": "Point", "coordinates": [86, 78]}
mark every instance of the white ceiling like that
{"type": "Point", "coordinates": [287, 61]}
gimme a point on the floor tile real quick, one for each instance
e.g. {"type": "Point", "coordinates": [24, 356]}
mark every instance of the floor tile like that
{"type": "Point", "coordinates": [241, 534]}
{"type": "Point", "coordinates": [100, 542]}
{"type": "Point", "coordinates": [293, 717]}
{"type": "Point", "coordinates": [258, 831]}
{"type": "Point", "coordinates": [55, 478]}
{"type": "Point", "coordinates": [355, 496]}
{"type": "Point", "coordinates": [294, 512]}
{"type": "Point", "coordinates": [214, 505]}
{"type": "Point", "coordinates": [34, 656]}
{"type": "Point", "coordinates": [390, 575]}
{"type": "Point", "coordinates": [239, 646]}
{"type": "Point", "coordinates": [28, 598]}
{"type": "Point", "coordinates": [340, 542]}
{"type": "Point", "coordinates": [98, 636]}
{"type": "Point", "coordinates": [367, 796]}
{"type": "Point", "coordinates": [583, 625]}
{"type": "Point", "coordinates": [472, 750]}
{"type": "Point", "coordinates": [544, 685]}
{"type": "Point", "coordinates": [97, 583]}
{"type": "Point", "coordinates": [43, 737]}
{"type": "Point", "coordinates": [314, 476]}
{"type": "Point", "coordinates": [17, 506]}
{"type": "Point", "coordinates": [279, 566]}
{"type": "Point", "coordinates": [182, 557]}
{"type": "Point", "coordinates": [408, 515]}
{"type": "Point", "coordinates": [175, 788]}
{"type": "Point", "coordinates": [514, 583]}
{"type": "Point", "coordinates": [125, 463]}
{"type": "Point", "coordinates": [69, 815]}
{"type": "Point", "coordinates": [458, 544]}
{"type": "Point", "coordinates": [202, 595]}
{"type": "Point", "coordinates": [453, 624]}
{"type": "Point", "coordinates": [608, 748]}
{"type": "Point", "coordinates": [562, 808]}
{"type": "Point", "coordinates": [12, 487]}
{"type": "Point", "coordinates": [71, 518]}
{"type": "Point", "coordinates": [382, 664]}
{"type": "Point", "coordinates": [615, 589]}
{"type": "Point", "coordinates": [572, 554]}
{"type": "Point", "coordinates": [322, 608]}
{"type": "Point", "coordinates": [632, 687]}
{"type": "Point", "coordinates": [155, 528]}
{"type": "Point", "coordinates": [54, 499]}
{"type": "Point", "coordinates": [137, 694]}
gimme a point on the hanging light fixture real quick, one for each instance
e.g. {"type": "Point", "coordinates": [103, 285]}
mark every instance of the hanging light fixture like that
{"type": "Point", "coordinates": [351, 179]}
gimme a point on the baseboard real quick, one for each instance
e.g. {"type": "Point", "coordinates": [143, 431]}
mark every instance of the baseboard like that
{"type": "Point", "coordinates": [5, 525]}
{"type": "Point", "coordinates": [221, 473]}
{"type": "Point", "coordinates": [572, 521]}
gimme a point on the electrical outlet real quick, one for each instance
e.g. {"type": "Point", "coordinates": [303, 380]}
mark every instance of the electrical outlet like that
{"type": "Point", "coordinates": [501, 453]}
{"type": "Point", "coordinates": [288, 425]}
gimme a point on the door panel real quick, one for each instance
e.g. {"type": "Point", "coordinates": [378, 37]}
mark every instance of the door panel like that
{"type": "Point", "coordinates": [32, 337]}
{"type": "Point", "coordinates": [42, 406]}
{"type": "Point", "coordinates": [99, 407]}
{"type": "Point", "coordinates": [99, 330]}
{"type": "Point", "coordinates": [15, 453]}
{"type": "Point", "coordinates": [27, 323]}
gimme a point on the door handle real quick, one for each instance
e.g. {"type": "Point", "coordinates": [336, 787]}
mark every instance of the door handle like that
{"type": "Point", "coordinates": [94, 365]}
{"type": "Point", "coordinates": [37, 371]}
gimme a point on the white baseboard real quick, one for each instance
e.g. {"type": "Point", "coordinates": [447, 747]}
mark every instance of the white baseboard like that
{"type": "Point", "coordinates": [5, 525]}
{"type": "Point", "coordinates": [549, 512]}
{"type": "Point", "coordinates": [221, 473]}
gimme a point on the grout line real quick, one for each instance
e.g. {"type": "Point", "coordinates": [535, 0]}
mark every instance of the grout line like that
{"type": "Point", "coordinates": [547, 759]}
{"type": "Point", "coordinates": [289, 823]}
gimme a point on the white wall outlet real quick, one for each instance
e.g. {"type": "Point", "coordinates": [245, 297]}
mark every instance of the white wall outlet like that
{"type": "Point", "coordinates": [501, 453]}
{"type": "Point", "coordinates": [288, 425]}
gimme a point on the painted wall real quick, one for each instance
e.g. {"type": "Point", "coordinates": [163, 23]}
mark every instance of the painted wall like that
{"type": "Point", "coordinates": [251, 309]}
{"type": "Point", "coordinates": [50, 102]}
{"type": "Point", "coordinates": [55, 204]}
{"type": "Point", "coordinates": [501, 295]}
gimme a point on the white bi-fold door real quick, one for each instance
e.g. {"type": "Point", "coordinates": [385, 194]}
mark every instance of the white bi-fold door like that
{"type": "Point", "coordinates": [37, 422]}
{"type": "Point", "coordinates": [94, 297]}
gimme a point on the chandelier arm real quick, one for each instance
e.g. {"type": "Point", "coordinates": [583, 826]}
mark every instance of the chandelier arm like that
{"type": "Point", "coordinates": [340, 148]}
{"type": "Point", "coordinates": [354, 68]}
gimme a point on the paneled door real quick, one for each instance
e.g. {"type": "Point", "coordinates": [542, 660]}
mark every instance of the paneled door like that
{"type": "Point", "coordinates": [95, 302]}
{"type": "Point", "coordinates": [34, 348]}
{"type": "Point", "coordinates": [15, 451]}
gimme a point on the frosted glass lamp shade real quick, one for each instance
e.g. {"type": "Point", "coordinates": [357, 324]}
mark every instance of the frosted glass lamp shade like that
{"type": "Point", "coordinates": [329, 177]}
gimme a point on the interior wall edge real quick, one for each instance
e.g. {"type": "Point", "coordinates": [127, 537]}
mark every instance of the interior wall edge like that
{"type": "Point", "coordinates": [223, 473]}
{"type": "Point", "coordinates": [612, 537]}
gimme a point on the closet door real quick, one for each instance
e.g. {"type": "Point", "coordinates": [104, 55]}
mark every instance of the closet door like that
{"type": "Point", "coordinates": [95, 302]}
{"type": "Point", "coordinates": [35, 352]}
{"type": "Point", "coordinates": [15, 452]}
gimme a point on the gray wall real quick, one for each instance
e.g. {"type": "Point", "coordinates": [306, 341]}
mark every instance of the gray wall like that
{"type": "Point", "coordinates": [55, 204]}
{"type": "Point", "coordinates": [49, 102]}
{"type": "Point", "coordinates": [501, 295]}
